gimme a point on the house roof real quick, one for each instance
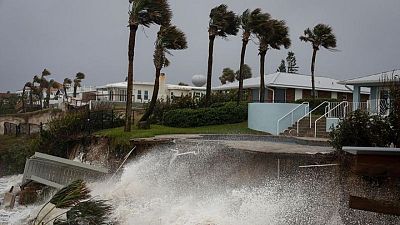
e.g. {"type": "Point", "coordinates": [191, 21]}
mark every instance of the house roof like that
{"type": "Point", "coordinates": [374, 79]}
{"type": "Point", "coordinates": [290, 80]}
{"type": "Point", "coordinates": [169, 86]}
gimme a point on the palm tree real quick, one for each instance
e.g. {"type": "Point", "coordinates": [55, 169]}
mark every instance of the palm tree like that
{"type": "Point", "coordinates": [66, 82]}
{"type": "Point", "coordinates": [222, 23]}
{"type": "Point", "coordinates": [77, 81]}
{"type": "Point", "coordinates": [43, 83]}
{"type": "Point", "coordinates": [272, 34]}
{"type": "Point", "coordinates": [168, 38]}
{"type": "Point", "coordinates": [320, 35]}
{"type": "Point", "coordinates": [50, 84]}
{"type": "Point", "coordinates": [145, 13]}
{"type": "Point", "coordinates": [79, 207]}
{"type": "Point", "coordinates": [249, 21]}
{"type": "Point", "coordinates": [27, 84]}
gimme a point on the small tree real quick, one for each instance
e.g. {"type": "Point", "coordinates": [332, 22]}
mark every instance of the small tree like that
{"type": "Point", "coordinates": [291, 63]}
{"type": "Point", "coordinates": [282, 67]}
{"type": "Point", "coordinates": [77, 81]}
{"type": "Point", "coordinates": [66, 83]}
{"type": "Point", "coordinates": [228, 75]}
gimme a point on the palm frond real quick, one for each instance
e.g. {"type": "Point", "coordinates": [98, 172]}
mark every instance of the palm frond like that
{"type": "Point", "coordinates": [148, 12]}
{"type": "Point", "coordinates": [70, 195]}
{"type": "Point", "coordinates": [80, 76]}
{"type": "Point", "coordinates": [91, 212]}
{"type": "Point", "coordinates": [45, 73]}
{"type": "Point", "coordinates": [223, 22]}
{"type": "Point", "coordinates": [320, 35]}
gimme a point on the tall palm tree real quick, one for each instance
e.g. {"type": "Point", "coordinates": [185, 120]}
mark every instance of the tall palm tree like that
{"type": "Point", "coordinates": [249, 21]}
{"type": "Point", "coordinates": [51, 84]}
{"type": "Point", "coordinates": [66, 82]}
{"type": "Point", "coordinates": [168, 38]}
{"type": "Point", "coordinates": [43, 83]}
{"type": "Point", "coordinates": [77, 81]}
{"type": "Point", "coordinates": [222, 23]}
{"type": "Point", "coordinates": [145, 13]}
{"type": "Point", "coordinates": [273, 34]}
{"type": "Point", "coordinates": [320, 35]}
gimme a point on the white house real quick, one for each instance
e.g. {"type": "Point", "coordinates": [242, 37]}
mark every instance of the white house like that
{"type": "Point", "coordinates": [289, 87]}
{"type": "Point", "coordinates": [143, 91]}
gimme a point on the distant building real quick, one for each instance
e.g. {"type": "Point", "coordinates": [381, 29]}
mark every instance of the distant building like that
{"type": "Point", "coordinates": [143, 91]}
{"type": "Point", "coordinates": [289, 87]}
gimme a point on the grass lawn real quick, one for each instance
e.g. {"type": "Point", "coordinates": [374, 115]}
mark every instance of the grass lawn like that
{"type": "Point", "coordinates": [120, 136]}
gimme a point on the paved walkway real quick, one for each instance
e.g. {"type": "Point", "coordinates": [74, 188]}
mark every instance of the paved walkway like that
{"type": "Point", "coordinates": [257, 143]}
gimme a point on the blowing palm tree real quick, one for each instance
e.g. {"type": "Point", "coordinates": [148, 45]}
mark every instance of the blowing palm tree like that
{"type": "Point", "coordinates": [320, 35]}
{"type": "Point", "coordinates": [30, 86]}
{"type": "Point", "coordinates": [222, 23]}
{"type": "Point", "coordinates": [273, 34]}
{"type": "Point", "coordinates": [50, 85]}
{"type": "Point", "coordinates": [145, 13]}
{"type": "Point", "coordinates": [168, 38]}
{"type": "Point", "coordinates": [66, 83]}
{"type": "Point", "coordinates": [43, 83]}
{"type": "Point", "coordinates": [249, 22]}
{"type": "Point", "coordinates": [77, 81]}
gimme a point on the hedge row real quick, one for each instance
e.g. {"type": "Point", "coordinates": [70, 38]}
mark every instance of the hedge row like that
{"type": "Point", "coordinates": [226, 114]}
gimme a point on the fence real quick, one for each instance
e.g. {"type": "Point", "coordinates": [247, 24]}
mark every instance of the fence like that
{"type": "Point", "coordinates": [22, 128]}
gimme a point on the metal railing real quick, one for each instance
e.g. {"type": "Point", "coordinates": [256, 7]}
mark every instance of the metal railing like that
{"type": "Point", "coordinates": [292, 115]}
{"type": "Point", "coordinates": [341, 105]}
{"type": "Point", "coordinates": [310, 115]}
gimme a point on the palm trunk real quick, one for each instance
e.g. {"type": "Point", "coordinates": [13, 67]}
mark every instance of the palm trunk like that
{"type": "Point", "coordinates": [41, 98]}
{"type": "Point", "coordinates": [153, 101]}
{"type": "Point", "coordinates": [75, 88]}
{"type": "Point", "coordinates": [262, 69]}
{"type": "Point", "coordinates": [31, 97]}
{"type": "Point", "coordinates": [65, 94]}
{"type": "Point", "coordinates": [48, 97]}
{"type": "Point", "coordinates": [242, 56]}
{"type": "Point", "coordinates": [23, 100]}
{"type": "Point", "coordinates": [131, 54]}
{"type": "Point", "coordinates": [313, 94]}
{"type": "Point", "coordinates": [210, 65]}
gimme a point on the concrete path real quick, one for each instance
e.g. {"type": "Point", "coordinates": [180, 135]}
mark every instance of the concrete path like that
{"type": "Point", "coordinates": [266, 144]}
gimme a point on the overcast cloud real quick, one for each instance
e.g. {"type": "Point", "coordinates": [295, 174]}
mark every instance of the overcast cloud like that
{"type": "Point", "coordinates": [91, 36]}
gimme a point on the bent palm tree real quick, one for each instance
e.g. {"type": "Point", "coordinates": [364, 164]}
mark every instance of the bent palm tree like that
{"type": "Point", "coordinates": [145, 13]}
{"type": "Point", "coordinates": [249, 22]}
{"type": "Point", "coordinates": [77, 81]}
{"type": "Point", "coordinates": [168, 38]}
{"type": "Point", "coordinates": [222, 23]}
{"type": "Point", "coordinates": [320, 35]}
{"type": "Point", "coordinates": [43, 84]}
{"type": "Point", "coordinates": [50, 84]}
{"type": "Point", "coordinates": [66, 82]}
{"type": "Point", "coordinates": [272, 34]}
{"type": "Point", "coordinates": [29, 85]}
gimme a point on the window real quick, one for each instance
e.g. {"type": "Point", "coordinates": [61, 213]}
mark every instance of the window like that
{"type": "Point", "coordinates": [146, 95]}
{"type": "Point", "coordinates": [139, 94]}
{"type": "Point", "coordinates": [122, 95]}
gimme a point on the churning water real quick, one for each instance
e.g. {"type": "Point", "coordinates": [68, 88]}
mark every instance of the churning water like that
{"type": "Point", "coordinates": [214, 185]}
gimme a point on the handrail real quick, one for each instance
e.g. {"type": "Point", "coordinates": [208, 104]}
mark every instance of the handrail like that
{"type": "Point", "coordinates": [309, 113]}
{"type": "Point", "coordinates": [315, 123]}
{"type": "Point", "coordinates": [291, 112]}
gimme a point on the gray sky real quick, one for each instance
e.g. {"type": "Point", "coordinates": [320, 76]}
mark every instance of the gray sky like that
{"type": "Point", "coordinates": [91, 36]}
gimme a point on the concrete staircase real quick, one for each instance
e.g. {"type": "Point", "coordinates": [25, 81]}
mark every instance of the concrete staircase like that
{"type": "Point", "coordinates": [305, 130]}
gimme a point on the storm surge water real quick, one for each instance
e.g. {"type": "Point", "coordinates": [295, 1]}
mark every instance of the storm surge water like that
{"type": "Point", "coordinates": [220, 186]}
{"type": "Point", "coordinates": [204, 183]}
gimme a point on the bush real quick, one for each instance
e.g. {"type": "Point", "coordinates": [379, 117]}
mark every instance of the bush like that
{"type": "Point", "coordinates": [360, 129]}
{"type": "Point", "coordinates": [187, 102]}
{"type": "Point", "coordinates": [64, 132]}
{"type": "Point", "coordinates": [226, 114]}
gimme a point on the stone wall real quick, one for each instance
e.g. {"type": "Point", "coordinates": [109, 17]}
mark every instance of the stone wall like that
{"type": "Point", "coordinates": [37, 117]}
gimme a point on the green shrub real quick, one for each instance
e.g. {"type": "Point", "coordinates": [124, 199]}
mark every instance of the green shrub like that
{"type": "Point", "coordinates": [360, 129]}
{"type": "Point", "coordinates": [226, 114]}
{"type": "Point", "coordinates": [187, 102]}
{"type": "Point", "coordinates": [64, 132]}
